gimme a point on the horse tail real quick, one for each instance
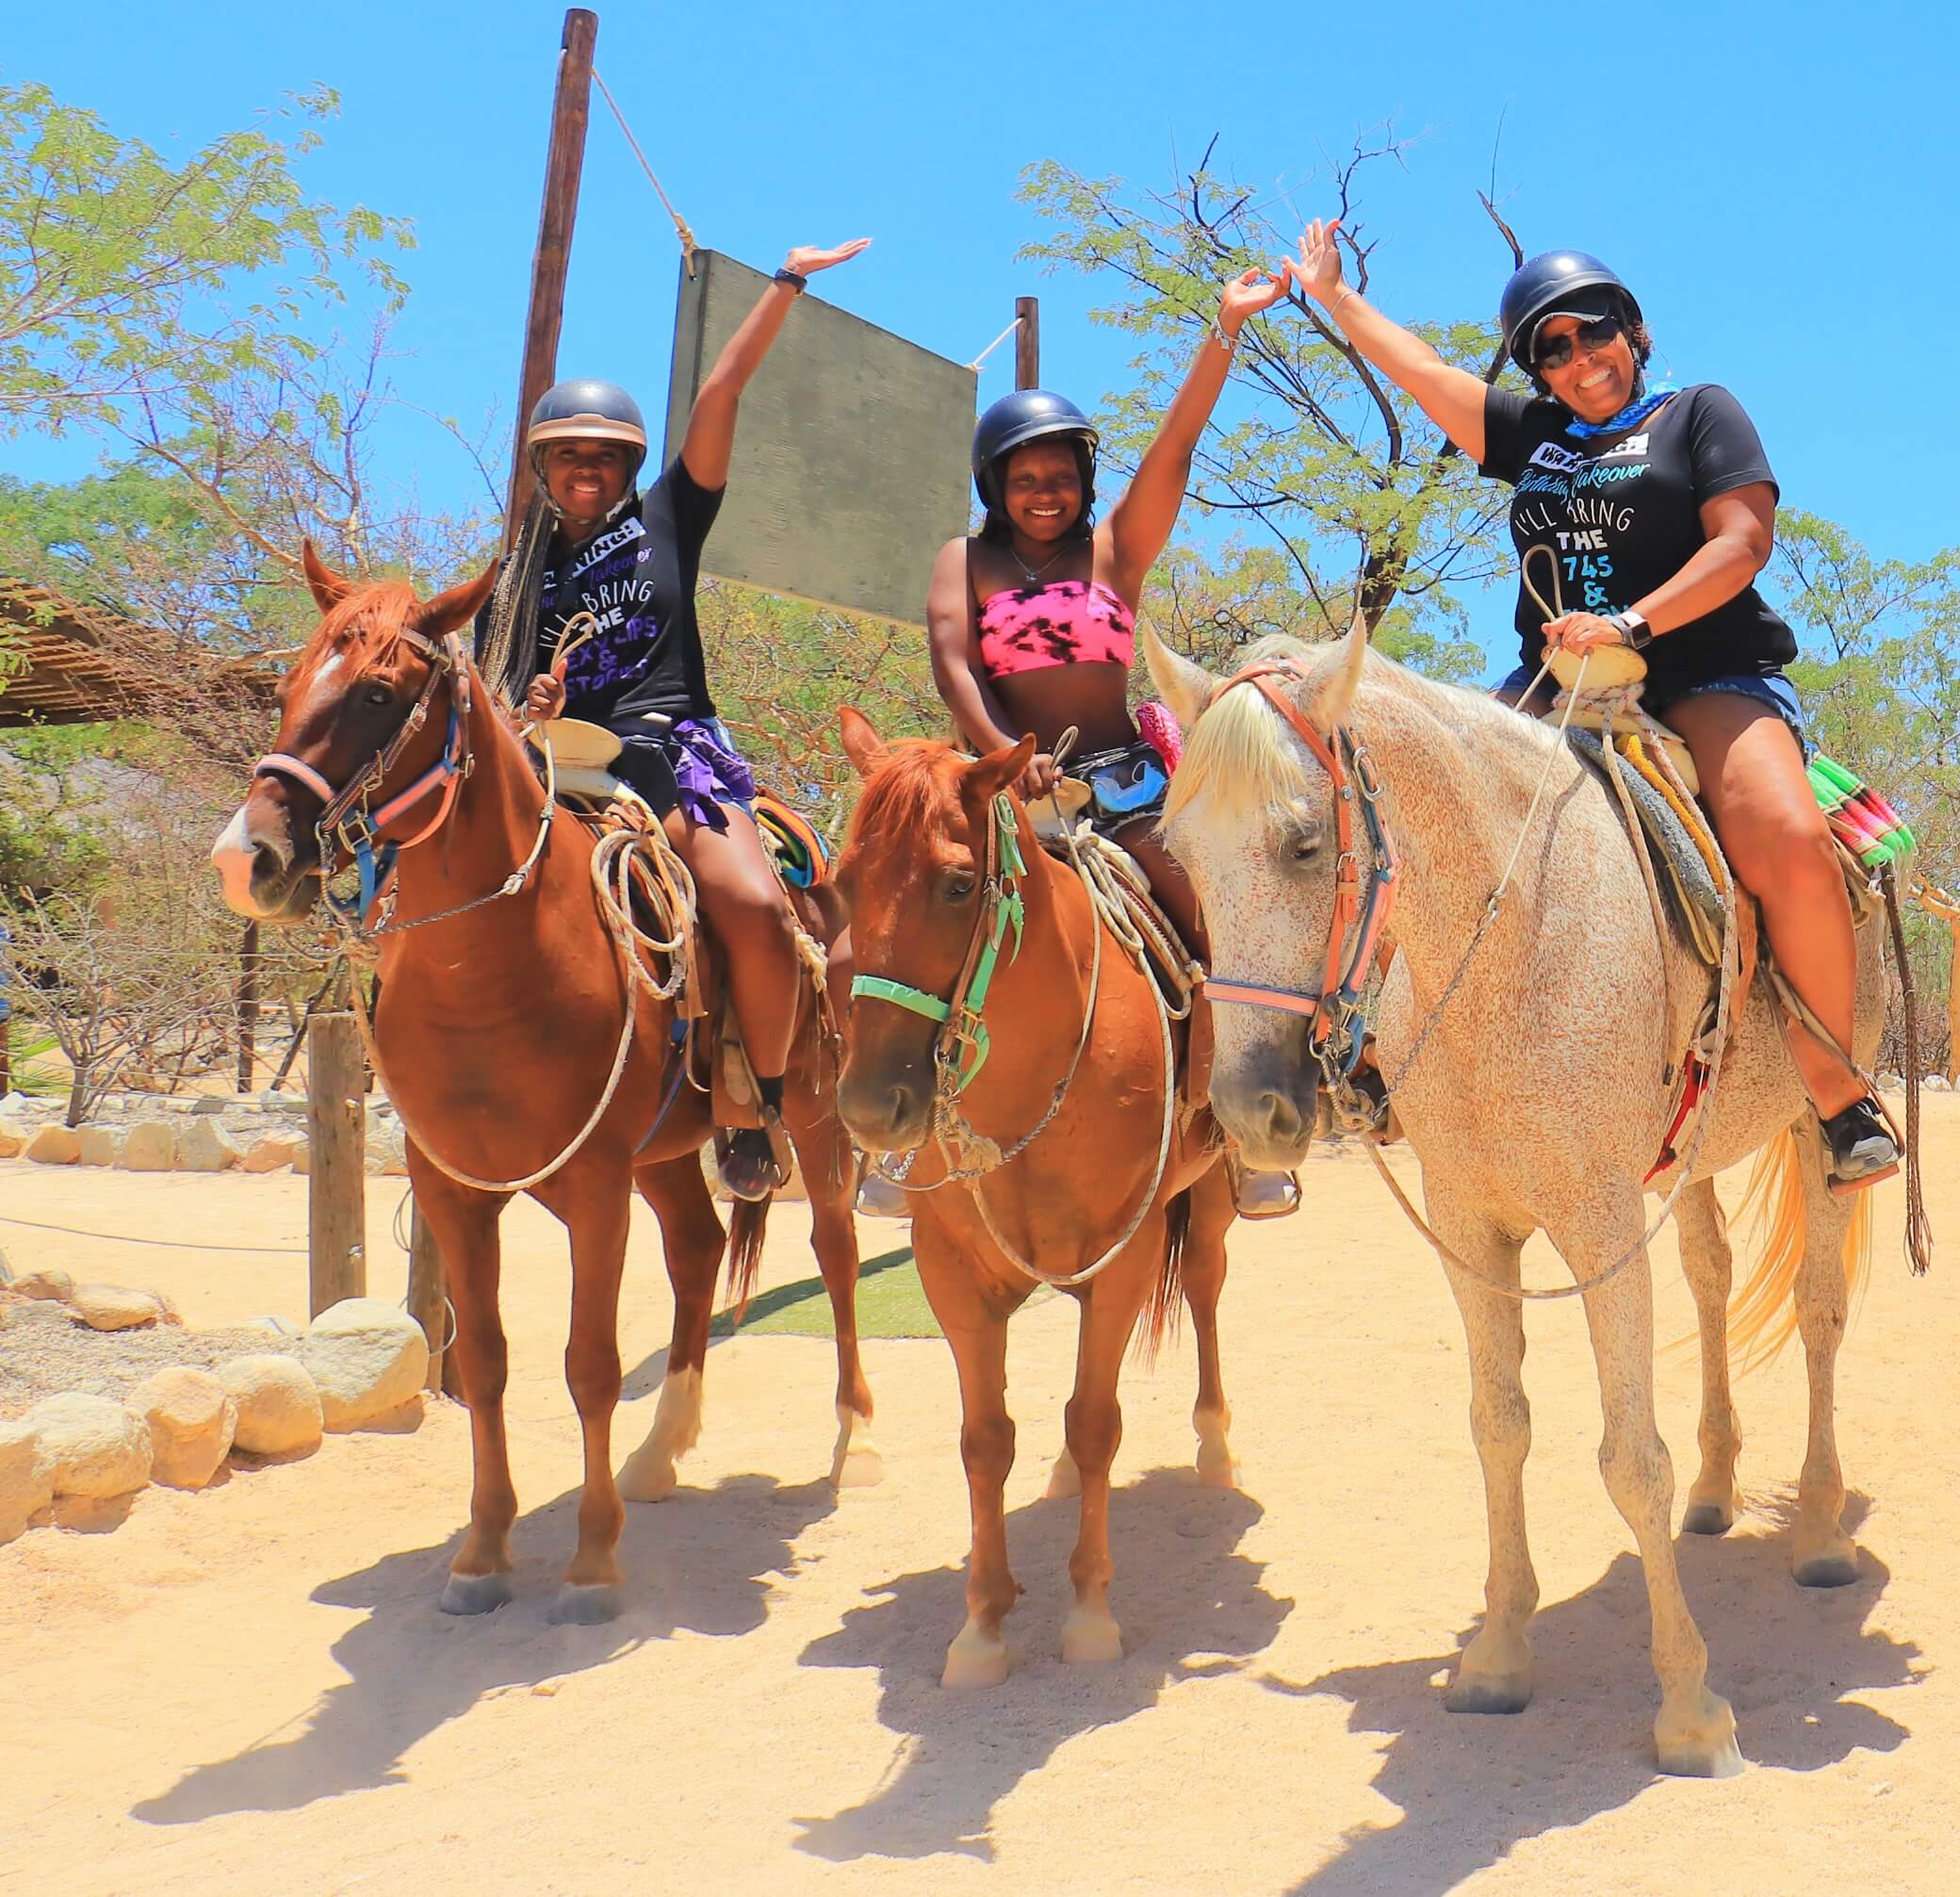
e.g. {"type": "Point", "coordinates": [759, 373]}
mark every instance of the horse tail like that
{"type": "Point", "coordinates": [748, 1220]}
{"type": "Point", "coordinates": [1763, 1317]}
{"type": "Point", "coordinates": [1166, 1300]}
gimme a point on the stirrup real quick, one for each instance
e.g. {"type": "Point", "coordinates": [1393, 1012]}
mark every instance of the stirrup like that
{"type": "Point", "coordinates": [752, 1161]}
{"type": "Point", "coordinates": [877, 1197]}
{"type": "Point", "coordinates": [1261, 1195]}
{"type": "Point", "coordinates": [1863, 1151]}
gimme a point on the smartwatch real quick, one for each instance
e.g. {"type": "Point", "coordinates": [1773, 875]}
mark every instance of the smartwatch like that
{"type": "Point", "coordinates": [1633, 630]}
{"type": "Point", "coordinates": [796, 281]}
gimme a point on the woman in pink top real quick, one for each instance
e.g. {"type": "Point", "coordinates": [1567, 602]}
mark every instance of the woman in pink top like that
{"type": "Point", "coordinates": [1033, 619]}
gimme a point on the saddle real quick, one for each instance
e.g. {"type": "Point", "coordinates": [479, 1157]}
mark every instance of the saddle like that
{"type": "Point", "coordinates": [717, 1062]}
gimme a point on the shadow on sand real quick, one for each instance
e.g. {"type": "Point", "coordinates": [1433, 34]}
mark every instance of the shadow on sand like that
{"type": "Point", "coordinates": [1470, 1787]}
{"type": "Point", "coordinates": [701, 1561]}
{"type": "Point", "coordinates": [1180, 1591]}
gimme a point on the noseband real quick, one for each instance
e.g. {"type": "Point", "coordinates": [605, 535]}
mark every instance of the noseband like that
{"type": "Point", "coordinates": [346, 819]}
{"type": "Point", "coordinates": [1363, 894]}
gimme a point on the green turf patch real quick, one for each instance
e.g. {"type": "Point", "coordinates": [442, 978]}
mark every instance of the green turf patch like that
{"type": "Point", "coordinates": [890, 1304]}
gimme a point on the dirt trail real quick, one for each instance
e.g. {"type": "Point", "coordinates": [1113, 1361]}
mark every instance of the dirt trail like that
{"type": "Point", "coordinates": [251, 1689]}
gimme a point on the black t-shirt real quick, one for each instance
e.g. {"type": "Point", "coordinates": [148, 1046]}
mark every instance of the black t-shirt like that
{"type": "Point", "coordinates": [1622, 516]}
{"type": "Point", "coordinates": [636, 576]}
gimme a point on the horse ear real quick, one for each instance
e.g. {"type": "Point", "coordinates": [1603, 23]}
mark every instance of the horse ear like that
{"type": "Point", "coordinates": [1187, 688]}
{"type": "Point", "coordinates": [984, 776]}
{"type": "Point", "coordinates": [1335, 683]}
{"type": "Point", "coordinates": [862, 745]}
{"type": "Point", "coordinates": [327, 586]}
{"type": "Point", "coordinates": [457, 606]}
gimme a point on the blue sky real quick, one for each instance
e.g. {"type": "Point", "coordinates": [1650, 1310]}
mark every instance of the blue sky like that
{"type": "Point", "coordinates": [1776, 183]}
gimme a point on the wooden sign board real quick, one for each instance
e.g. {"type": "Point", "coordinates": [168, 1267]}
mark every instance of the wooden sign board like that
{"type": "Point", "coordinates": [850, 469]}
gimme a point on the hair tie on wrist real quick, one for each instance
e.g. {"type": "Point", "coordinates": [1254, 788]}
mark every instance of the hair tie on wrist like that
{"type": "Point", "coordinates": [795, 280]}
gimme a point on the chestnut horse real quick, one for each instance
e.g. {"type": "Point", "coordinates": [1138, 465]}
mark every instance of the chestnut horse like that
{"type": "Point", "coordinates": [503, 1019]}
{"type": "Point", "coordinates": [940, 862]}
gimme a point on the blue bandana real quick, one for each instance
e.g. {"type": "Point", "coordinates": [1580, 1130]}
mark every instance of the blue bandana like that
{"type": "Point", "coordinates": [1636, 412]}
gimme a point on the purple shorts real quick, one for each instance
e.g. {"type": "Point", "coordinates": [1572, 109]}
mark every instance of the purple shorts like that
{"type": "Point", "coordinates": [691, 766]}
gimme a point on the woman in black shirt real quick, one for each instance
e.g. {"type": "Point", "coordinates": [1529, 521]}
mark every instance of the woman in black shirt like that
{"type": "Point", "coordinates": [598, 557]}
{"type": "Point", "coordinates": [1660, 510]}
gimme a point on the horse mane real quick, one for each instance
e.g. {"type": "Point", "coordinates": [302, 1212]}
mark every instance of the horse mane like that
{"type": "Point", "coordinates": [905, 792]}
{"type": "Point", "coordinates": [368, 623]}
{"type": "Point", "coordinates": [1238, 752]}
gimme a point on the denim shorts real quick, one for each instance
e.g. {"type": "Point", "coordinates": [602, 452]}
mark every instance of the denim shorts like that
{"type": "Point", "coordinates": [1772, 689]}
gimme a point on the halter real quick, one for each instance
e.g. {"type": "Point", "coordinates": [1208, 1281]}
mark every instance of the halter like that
{"type": "Point", "coordinates": [1362, 898]}
{"type": "Point", "coordinates": [963, 1044]}
{"type": "Point", "coordinates": [346, 818]}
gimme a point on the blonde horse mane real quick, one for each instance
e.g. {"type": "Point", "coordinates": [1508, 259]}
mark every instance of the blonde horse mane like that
{"type": "Point", "coordinates": [1763, 1315]}
{"type": "Point", "coordinates": [1236, 751]}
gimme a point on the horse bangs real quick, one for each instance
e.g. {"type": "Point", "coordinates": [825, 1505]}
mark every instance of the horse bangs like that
{"type": "Point", "coordinates": [902, 798]}
{"type": "Point", "coordinates": [368, 625]}
{"type": "Point", "coordinates": [1237, 750]}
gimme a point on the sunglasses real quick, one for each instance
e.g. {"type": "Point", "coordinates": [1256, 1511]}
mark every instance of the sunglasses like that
{"type": "Point", "coordinates": [1555, 351]}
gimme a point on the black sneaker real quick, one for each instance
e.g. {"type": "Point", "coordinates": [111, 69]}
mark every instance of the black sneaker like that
{"type": "Point", "coordinates": [1863, 1150]}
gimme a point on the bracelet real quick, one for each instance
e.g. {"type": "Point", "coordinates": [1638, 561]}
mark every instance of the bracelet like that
{"type": "Point", "coordinates": [1333, 308]}
{"type": "Point", "coordinates": [1226, 342]}
{"type": "Point", "coordinates": [796, 282]}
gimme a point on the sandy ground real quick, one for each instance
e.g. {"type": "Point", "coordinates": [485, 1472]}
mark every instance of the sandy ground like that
{"type": "Point", "coordinates": [251, 1688]}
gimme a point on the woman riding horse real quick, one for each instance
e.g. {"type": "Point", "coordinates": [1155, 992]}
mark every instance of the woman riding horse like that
{"type": "Point", "coordinates": [1033, 620]}
{"type": "Point", "coordinates": [630, 561]}
{"type": "Point", "coordinates": [1660, 510]}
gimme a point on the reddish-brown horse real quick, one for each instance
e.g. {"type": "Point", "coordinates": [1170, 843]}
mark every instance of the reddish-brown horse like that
{"type": "Point", "coordinates": [498, 1028]}
{"type": "Point", "coordinates": [936, 849]}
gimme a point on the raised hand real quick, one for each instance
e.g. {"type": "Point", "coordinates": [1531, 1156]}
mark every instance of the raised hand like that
{"type": "Point", "coordinates": [806, 259]}
{"type": "Point", "coordinates": [1248, 293]}
{"type": "Point", "coordinates": [1317, 267]}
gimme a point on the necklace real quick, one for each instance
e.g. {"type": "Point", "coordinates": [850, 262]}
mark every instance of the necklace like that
{"type": "Point", "coordinates": [1035, 573]}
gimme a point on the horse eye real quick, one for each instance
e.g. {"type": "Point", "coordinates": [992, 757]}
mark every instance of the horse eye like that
{"type": "Point", "coordinates": [957, 889]}
{"type": "Point", "coordinates": [1303, 849]}
{"type": "Point", "coordinates": [380, 694]}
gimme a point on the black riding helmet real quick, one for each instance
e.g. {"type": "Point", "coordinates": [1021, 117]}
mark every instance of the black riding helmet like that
{"type": "Point", "coordinates": [1556, 284]}
{"type": "Point", "coordinates": [1027, 415]}
{"type": "Point", "coordinates": [586, 409]}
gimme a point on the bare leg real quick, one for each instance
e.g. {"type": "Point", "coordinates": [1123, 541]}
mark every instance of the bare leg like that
{"type": "Point", "coordinates": [463, 1225]}
{"type": "Point", "coordinates": [691, 1236]}
{"type": "Point", "coordinates": [1709, 1264]}
{"type": "Point", "coordinates": [1169, 883]}
{"type": "Point", "coordinates": [1780, 849]}
{"type": "Point", "coordinates": [1695, 1732]}
{"type": "Point", "coordinates": [1495, 1674]}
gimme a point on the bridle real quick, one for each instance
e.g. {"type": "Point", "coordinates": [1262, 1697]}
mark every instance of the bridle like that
{"type": "Point", "coordinates": [1364, 894]}
{"type": "Point", "coordinates": [962, 1045]}
{"type": "Point", "coordinates": [346, 822]}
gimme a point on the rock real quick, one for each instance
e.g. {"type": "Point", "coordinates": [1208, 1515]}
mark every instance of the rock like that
{"type": "Point", "coordinates": [207, 1103]}
{"type": "Point", "coordinates": [5, 1270]}
{"type": "Point", "coordinates": [53, 1145]}
{"type": "Point", "coordinates": [98, 1448]}
{"type": "Point", "coordinates": [279, 1407]}
{"type": "Point", "coordinates": [203, 1146]}
{"type": "Point", "coordinates": [14, 1104]}
{"type": "Point", "coordinates": [280, 1327]}
{"type": "Point", "coordinates": [113, 1307]}
{"type": "Point", "coordinates": [270, 1153]}
{"type": "Point", "coordinates": [192, 1417]}
{"type": "Point", "coordinates": [367, 1356]}
{"type": "Point", "coordinates": [26, 1477]}
{"type": "Point", "coordinates": [13, 1137]}
{"type": "Point", "coordinates": [151, 1147]}
{"type": "Point", "coordinates": [99, 1145]}
{"type": "Point", "coordinates": [44, 1311]}
{"type": "Point", "coordinates": [49, 1282]}
{"type": "Point", "coordinates": [387, 1151]}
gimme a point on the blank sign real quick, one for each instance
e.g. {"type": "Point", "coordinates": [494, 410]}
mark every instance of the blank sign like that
{"type": "Point", "coordinates": [850, 469]}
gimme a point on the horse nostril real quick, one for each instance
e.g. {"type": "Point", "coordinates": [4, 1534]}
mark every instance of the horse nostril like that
{"type": "Point", "coordinates": [1282, 1117]}
{"type": "Point", "coordinates": [902, 1108]}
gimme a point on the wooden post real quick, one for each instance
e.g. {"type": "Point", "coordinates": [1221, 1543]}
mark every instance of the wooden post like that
{"type": "Point", "coordinates": [1027, 343]}
{"type": "Point", "coordinates": [336, 1183]}
{"type": "Point", "coordinates": [248, 1006]}
{"type": "Point", "coordinates": [565, 160]}
{"type": "Point", "coordinates": [427, 1299]}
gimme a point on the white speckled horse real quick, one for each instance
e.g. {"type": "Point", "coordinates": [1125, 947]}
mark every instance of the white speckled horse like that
{"type": "Point", "coordinates": [1538, 1101]}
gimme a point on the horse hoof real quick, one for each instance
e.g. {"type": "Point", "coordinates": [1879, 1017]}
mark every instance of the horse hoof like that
{"type": "Point", "coordinates": [587, 1606]}
{"type": "Point", "coordinates": [1091, 1638]}
{"type": "Point", "coordinates": [861, 1468]}
{"type": "Point", "coordinates": [1701, 1746]}
{"type": "Point", "coordinates": [1834, 1567]}
{"type": "Point", "coordinates": [1217, 1471]}
{"type": "Point", "coordinates": [1488, 1693]}
{"type": "Point", "coordinates": [474, 1594]}
{"type": "Point", "coordinates": [648, 1479]}
{"type": "Point", "coordinates": [1064, 1479]}
{"type": "Point", "coordinates": [975, 1658]}
{"type": "Point", "coordinates": [1708, 1518]}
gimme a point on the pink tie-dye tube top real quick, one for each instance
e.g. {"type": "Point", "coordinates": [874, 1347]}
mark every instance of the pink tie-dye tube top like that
{"type": "Point", "coordinates": [1068, 622]}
